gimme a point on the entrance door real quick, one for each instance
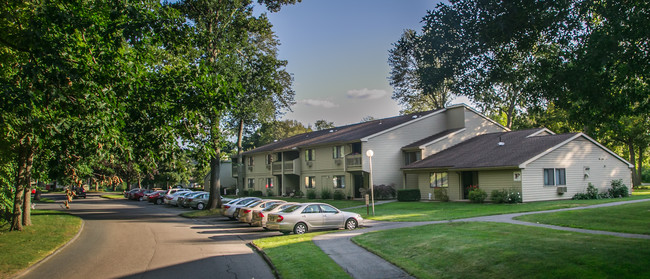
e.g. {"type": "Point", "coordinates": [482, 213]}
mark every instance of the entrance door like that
{"type": "Point", "coordinates": [468, 178]}
{"type": "Point", "coordinates": [358, 184]}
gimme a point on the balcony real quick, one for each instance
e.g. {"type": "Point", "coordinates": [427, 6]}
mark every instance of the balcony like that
{"type": "Point", "coordinates": [353, 162]}
{"type": "Point", "coordinates": [286, 167]}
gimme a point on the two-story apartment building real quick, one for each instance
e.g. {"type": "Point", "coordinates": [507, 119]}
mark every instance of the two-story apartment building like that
{"type": "Point", "coordinates": [451, 148]}
{"type": "Point", "coordinates": [334, 158]}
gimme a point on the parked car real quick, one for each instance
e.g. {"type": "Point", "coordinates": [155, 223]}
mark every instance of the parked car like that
{"type": "Point", "coordinates": [199, 202]}
{"type": "Point", "coordinates": [303, 217]}
{"type": "Point", "coordinates": [173, 195]}
{"type": "Point", "coordinates": [183, 200]}
{"type": "Point", "coordinates": [156, 197]}
{"type": "Point", "coordinates": [231, 209]}
{"type": "Point", "coordinates": [127, 194]}
{"type": "Point", "coordinates": [139, 195]}
{"type": "Point", "coordinates": [246, 213]}
{"type": "Point", "coordinates": [79, 192]}
{"type": "Point", "coordinates": [259, 217]}
{"type": "Point", "coordinates": [178, 198]}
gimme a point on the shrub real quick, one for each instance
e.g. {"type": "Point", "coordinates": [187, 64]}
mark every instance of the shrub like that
{"type": "Point", "coordinates": [440, 194]}
{"type": "Point", "coordinates": [325, 194]}
{"type": "Point", "coordinates": [244, 193]}
{"type": "Point", "coordinates": [298, 194]}
{"type": "Point", "coordinates": [257, 193]}
{"type": "Point", "coordinates": [231, 191]}
{"type": "Point", "coordinates": [506, 196]}
{"type": "Point", "coordinates": [311, 194]}
{"type": "Point", "coordinates": [269, 193]}
{"type": "Point", "coordinates": [339, 195]}
{"type": "Point", "coordinates": [477, 195]}
{"type": "Point", "coordinates": [408, 195]}
{"type": "Point", "coordinates": [384, 192]}
{"type": "Point", "coordinates": [618, 190]}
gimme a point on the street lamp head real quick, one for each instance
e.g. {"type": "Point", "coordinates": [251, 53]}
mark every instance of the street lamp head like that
{"type": "Point", "coordinates": [370, 153]}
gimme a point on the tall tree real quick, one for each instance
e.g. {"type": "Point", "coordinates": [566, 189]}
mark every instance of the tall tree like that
{"type": "Point", "coordinates": [222, 35]}
{"type": "Point", "coordinates": [587, 58]}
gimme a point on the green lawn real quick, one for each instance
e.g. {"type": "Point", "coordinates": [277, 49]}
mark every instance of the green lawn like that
{"type": "Point", "coordinates": [641, 192]}
{"type": "Point", "coordinates": [435, 211]}
{"type": "Point", "coordinates": [296, 256]}
{"type": "Point", "coordinates": [493, 250]}
{"type": "Point", "coordinates": [50, 230]}
{"type": "Point", "coordinates": [627, 218]}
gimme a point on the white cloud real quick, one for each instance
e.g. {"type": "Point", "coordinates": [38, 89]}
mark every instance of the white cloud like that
{"type": "Point", "coordinates": [366, 93]}
{"type": "Point", "coordinates": [317, 103]}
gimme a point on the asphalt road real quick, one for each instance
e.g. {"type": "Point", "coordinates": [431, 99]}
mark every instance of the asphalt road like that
{"type": "Point", "coordinates": [130, 239]}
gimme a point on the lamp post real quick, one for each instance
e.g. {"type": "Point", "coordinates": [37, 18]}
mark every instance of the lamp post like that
{"type": "Point", "coordinates": [370, 153]}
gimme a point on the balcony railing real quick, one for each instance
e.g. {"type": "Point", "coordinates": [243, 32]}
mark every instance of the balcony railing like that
{"type": "Point", "coordinates": [353, 162]}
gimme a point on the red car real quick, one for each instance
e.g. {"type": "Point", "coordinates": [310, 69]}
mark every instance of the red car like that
{"type": "Point", "coordinates": [139, 195]}
{"type": "Point", "coordinates": [156, 197]}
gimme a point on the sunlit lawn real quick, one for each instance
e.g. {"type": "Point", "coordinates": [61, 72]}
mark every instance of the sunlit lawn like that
{"type": "Point", "coordinates": [641, 192]}
{"type": "Point", "coordinates": [296, 256]}
{"type": "Point", "coordinates": [435, 211]}
{"type": "Point", "coordinates": [50, 230]}
{"type": "Point", "coordinates": [627, 218]}
{"type": "Point", "coordinates": [114, 197]}
{"type": "Point", "coordinates": [493, 250]}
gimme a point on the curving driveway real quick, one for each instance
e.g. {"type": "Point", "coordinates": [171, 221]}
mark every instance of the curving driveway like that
{"type": "Point", "coordinates": [130, 239]}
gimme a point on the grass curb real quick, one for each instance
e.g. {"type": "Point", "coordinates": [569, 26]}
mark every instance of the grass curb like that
{"type": "Point", "coordinates": [52, 253]}
{"type": "Point", "coordinates": [266, 258]}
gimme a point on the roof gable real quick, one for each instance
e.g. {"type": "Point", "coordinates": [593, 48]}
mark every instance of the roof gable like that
{"type": "Point", "coordinates": [484, 151]}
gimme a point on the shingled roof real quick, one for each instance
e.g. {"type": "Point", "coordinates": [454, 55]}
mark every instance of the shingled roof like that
{"type": "Point", "coordinates": [484, 151]}
{"type": "Point", "coordinates": [343, 134]}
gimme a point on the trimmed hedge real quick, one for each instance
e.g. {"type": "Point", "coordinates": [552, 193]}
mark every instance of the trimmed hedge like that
{"type": "Point", "coordinates": [408, 195]}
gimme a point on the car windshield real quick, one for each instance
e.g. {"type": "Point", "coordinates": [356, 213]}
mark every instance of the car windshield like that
{"type": "Point", "coordinates": [254, 204]}
{"type": "Point", "coordinates": [271, 207]}
{"type": "Point", "coordinates": [291, 208]}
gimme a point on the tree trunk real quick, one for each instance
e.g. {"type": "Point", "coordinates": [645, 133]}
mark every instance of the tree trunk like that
{"type": "Point", "coordinates": [240, 159]}
{"type": "Point", "coordinates": [214, 201]}
{"type": "Point", "coordinates": [636, 180]}
{"type": "Point", "coordinates": [21, 218]}
{"type": "Point", "coordinates": [639, 165]}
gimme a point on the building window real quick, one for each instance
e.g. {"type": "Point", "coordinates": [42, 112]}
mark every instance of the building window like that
{"type": "Point", "coordinates": [251, 183]}
{"type": "Point", "coordinates": [250, 161]}
{"type": "Point", "coordinates": [410, 157]}
{"type": "Point", "coordinates": [554, 177]}
{"type": "Point", "coordinates": [438, 179]}
{"type": "Point", "coordinates": [309, 155]}
{"type": "Point", "coordinates": [269, 159]}
{"type": "Point", "coordinates": [269, 183]}
{"type": "Point", "coordinates": [310, 181]}
{"type": "Point", "coordinates": [560, 176]}
{"type": "Point", "coordinates": [339, 181]}
{"type": "Point", "coordinates": [337, 152]}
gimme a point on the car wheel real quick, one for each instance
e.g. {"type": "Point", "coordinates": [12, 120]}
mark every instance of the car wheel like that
{"type": "Point", "coordinates": [351, 224]}
{"type": "Point", "coordinates": [140, 199]}
{"type": "Point", "coordinates": [300, 228]}
{"type": "Point", "coordinates": [200, 206]}
{"type": "Point", "coordinates": [159, 201]}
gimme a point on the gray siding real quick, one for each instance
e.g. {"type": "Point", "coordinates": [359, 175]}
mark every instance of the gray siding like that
{"type": "Point", "coordinates": [574, 156]}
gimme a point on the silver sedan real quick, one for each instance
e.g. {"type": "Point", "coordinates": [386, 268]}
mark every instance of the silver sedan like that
{"type": "Point", "coordinates": [307, 216]}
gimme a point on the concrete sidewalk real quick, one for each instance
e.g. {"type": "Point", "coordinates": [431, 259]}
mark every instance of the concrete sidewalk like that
{"type": "Point", "coordinates": [360, 263]}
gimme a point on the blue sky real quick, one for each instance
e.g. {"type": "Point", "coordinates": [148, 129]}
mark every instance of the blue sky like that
{"type": "Point", "coordinates": [337, 51]}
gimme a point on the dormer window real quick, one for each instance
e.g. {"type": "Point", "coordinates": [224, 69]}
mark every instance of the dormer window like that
{"type": "Point", "coordinates": [410, 157]}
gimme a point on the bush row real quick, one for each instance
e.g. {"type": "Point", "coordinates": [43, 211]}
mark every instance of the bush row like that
{"type": "Point", "coordinates": [618, 190]}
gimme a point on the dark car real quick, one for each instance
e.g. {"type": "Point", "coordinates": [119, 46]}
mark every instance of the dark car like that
{"type": "Point", "coordinates": [80, 192]}
{"type": "Point", "coordinates": [156, 197]}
